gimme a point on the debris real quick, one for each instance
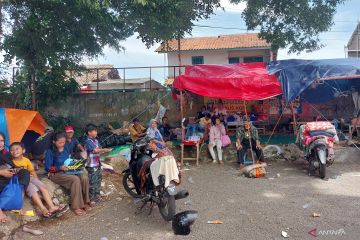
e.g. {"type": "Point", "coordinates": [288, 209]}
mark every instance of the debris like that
{"type": "Point", "coordinates": [126, 219]}
{"type": "Point", "coordinates": [272, 151]}
{"type": "Point", "coordinates": [186, 169]}
{"type": "Point", "coordinates": [305, 206]}
{"type": "Point", "coordinates": [137, 223]}
{"type": "Point", "coordinates": [108, 225]}
{"type": "Point", "coordinates": [119, 199]}
{"type": "Point", "coordinates": [316, 214]}
{"type": "Point", "coordinates": [188, 202]}
{"type": "Point", "coordinates": [278, 175]}
{"type": "Point", "coordinates": [284, 234]}
{"type": "Point", "coordinates": [190, 180]}
{"type": "Point", "coordinates": [271, 178]}
{"type": "Point", "coordinates": [187, 164]}
{"type": "Point", "coordinates": [215, 222]}
{"type": "Point", "coordinates": [35, 232]}
{"type": "Point", "coordinates": [104, 238]}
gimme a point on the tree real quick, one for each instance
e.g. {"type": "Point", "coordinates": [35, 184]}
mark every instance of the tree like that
{"type": "Point", "coordinates": [59, 33]}
{"type": "Point", "coordinates": [290, 23]}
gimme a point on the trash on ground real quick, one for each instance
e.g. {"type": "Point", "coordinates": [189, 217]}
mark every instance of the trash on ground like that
{"type": "Point", "coordinates": [278, 175]}
{"type": "Point", "coordinates": [104, 238]}
{"type": "Point", "coordinates": [126, 219]}
{"type": "Point", "coordinates": [186, 169]}
{"type": "Point", "coordinates": [187, 164]}
{"type": "Point", "coordinates": [35, 232]}
{"type": "Point", "coordinates": [305, 206]}
{"type": "Point", "coordinates": [284, 234]}
{"type": "Point", "coordinates": [271, 151]}
{"type": "Point", "coordinates": [215, 222]}
{"type": "Point", "coordinates": [271, 178]}
{"type": "Point", "coordinates": [316, 214]}
{"type": "Point", "coordinates": [190, 180]}
{"type": "Point", "coordinates": [188, 202]}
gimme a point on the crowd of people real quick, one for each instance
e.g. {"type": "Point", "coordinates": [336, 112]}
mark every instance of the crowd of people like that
{"type": "Point", "coordinates": [55, 150]}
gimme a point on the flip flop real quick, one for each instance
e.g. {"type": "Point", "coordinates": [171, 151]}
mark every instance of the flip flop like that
{"type": "Point", "coordinates": [60, 209]}
{"type": "Point", "coordinates": [32, 231]}
{"type": "Point", "coordinates": [64, 209]}
{"type": "Point", "coordinates": [4, 220]}
{"type": "Point", "coordinates": [48, 215]}
{"type": "Point", "coordinates": [79, 212]}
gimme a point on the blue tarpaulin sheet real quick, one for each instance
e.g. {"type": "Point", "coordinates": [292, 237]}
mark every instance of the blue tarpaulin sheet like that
{"type": "Point", "coordinates": [305, 76]}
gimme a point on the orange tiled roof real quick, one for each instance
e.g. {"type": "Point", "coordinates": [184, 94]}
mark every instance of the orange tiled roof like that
{"type": "Point", "coordinates": [235, 41]}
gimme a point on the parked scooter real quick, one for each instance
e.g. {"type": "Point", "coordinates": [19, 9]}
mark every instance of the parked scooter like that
{"type": "Point", "coordinates": [164, 197]}
{"type": "Point", "coordinates": [318, 145]}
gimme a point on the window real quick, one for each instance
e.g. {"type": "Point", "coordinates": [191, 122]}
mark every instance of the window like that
{"type": "Point", "coordinates": [197, 60]}
{"type": "Point", "coordinates": [234, 60]}
{"type": "Point", "coordinates": [253, 59]}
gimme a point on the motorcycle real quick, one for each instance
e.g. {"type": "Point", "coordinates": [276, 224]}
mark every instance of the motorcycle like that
{"type": "Point", "coordinates": [319, 153]}
{"type": "Point", "coordinates": [144, 189]}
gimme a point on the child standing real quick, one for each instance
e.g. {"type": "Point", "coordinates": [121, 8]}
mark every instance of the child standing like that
{"type": "Point", "coordinates": [17, 151]}
{"type": "Point", "coordinates": [93, 165]}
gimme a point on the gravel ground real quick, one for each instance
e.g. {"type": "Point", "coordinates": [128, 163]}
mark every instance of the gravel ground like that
{"type": "Point", "coordinates": [249, 208]}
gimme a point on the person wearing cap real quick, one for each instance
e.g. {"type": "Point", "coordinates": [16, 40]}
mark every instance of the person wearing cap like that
{"type": "Point", "coordinates": [136, 130]}
{"type": "Point", "coordinates": [71, 142]}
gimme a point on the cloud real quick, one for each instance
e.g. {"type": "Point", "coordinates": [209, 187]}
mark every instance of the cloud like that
{"type": "Point", "coordinates": [230, 7]}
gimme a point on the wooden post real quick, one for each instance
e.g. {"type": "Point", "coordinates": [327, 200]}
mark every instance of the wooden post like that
{"type": "Point", "coordinates": [248, 119]}
{"type": "Point", "coordinates": [294, 118]}
{"type": "Point", "coordinates": [182, 114]}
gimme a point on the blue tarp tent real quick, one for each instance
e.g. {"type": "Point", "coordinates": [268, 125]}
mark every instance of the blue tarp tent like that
{"type": "Point", "coordinates": [311, 77]}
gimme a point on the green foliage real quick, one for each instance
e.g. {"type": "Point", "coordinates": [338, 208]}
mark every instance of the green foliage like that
{"type": "Point", "coordinates": [291, 23]}
{"type": "Point", "coordinates": [161, 20]}
{"type": "Point", "coordinates": [55, 35]}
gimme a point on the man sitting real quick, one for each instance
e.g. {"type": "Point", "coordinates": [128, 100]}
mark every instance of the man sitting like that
{"type": "Point", "coordinates": [192, 129]}
{"type": "Point", "coordinates": [245, 135]}
{"type": "Point", "coordinates": [166, 130]}
{"type": "Point", "coordinates": [205, 124]}
{"type": "Point", "coordinates": [136, 130]}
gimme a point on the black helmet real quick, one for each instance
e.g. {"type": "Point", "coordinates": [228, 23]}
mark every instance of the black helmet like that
{"type": "Point", "coordinates": [182, 221]}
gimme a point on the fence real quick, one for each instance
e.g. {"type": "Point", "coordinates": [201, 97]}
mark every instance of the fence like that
{"type": "Point", "coordinates": [100, 78]}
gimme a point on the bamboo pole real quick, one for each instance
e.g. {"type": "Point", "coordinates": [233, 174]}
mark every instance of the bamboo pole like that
{"type": "Point", "coordinates": [248, 119]}
{"type": "Point", "coordinates": [294, 118]}
{"type": "Point", "coordinates": [182, 114]}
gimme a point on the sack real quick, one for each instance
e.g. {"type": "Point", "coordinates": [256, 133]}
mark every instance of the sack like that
{"type": "Point", "coordinates": [225, 140]}
{"type": "Point", "coordinates": [257, 172]}
{"type": "Point", "coordinates": [11, 196]}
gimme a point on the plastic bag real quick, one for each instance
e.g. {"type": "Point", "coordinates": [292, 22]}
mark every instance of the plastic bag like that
{"type": "Point", "coordinates": [225, 140]}
{"type": "Point", "coordinates": [11, 196]}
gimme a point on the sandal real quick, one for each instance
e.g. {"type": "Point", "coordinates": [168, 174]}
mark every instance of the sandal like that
{"type": "Point", "coordinates": [87, 207]}
{"type": "Point", "coordinates": [60, 209]}
{"type": "Point", "coordinates": [79, 212]}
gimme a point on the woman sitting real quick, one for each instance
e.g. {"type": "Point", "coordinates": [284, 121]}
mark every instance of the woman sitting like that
{"type": "Point", "coordinates": [157, 143]}
{"type": "Point", "coordinates": [164, 163]}
{"type": "Point", "coordinates": [78, 184]}
{"type": "Point", "coordinates": [216, 131]}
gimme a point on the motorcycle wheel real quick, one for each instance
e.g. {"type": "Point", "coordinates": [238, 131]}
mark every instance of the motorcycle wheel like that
{"type": "Point", "coordinates": [167, 207]}
{"type": "Point", "coordinates": [129, 185]}
{"type": "Point", "coordinates": [322, 170]}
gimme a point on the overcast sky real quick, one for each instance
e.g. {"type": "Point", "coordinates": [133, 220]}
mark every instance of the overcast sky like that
{"type": "Point", "coordinates": [136, 54]}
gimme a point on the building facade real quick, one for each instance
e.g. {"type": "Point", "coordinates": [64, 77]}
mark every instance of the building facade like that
{"type": "Point", "coordinates": [224, 49]}
{"type": "Point", "coordinates": [353, 46]}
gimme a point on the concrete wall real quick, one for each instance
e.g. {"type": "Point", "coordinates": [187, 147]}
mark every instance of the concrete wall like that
{"type": "Point", "coordinates": [109, 107]}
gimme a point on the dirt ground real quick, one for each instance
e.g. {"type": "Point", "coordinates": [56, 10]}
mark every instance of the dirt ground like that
{"type": "Point", "coordinates": [284, 200]}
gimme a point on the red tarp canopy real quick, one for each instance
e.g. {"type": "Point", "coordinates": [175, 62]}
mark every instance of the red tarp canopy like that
{"type": "Point", "coordinates": [244, 81]}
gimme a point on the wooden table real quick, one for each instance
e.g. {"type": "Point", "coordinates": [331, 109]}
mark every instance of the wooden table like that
{"type": "Point", "coordinates": [191, 144]}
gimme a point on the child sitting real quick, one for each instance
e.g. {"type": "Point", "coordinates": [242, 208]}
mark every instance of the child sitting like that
{"type": "Point", "coordinates": [17, 151]}
{"type": "Point", "coordinates": [93, 165]}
